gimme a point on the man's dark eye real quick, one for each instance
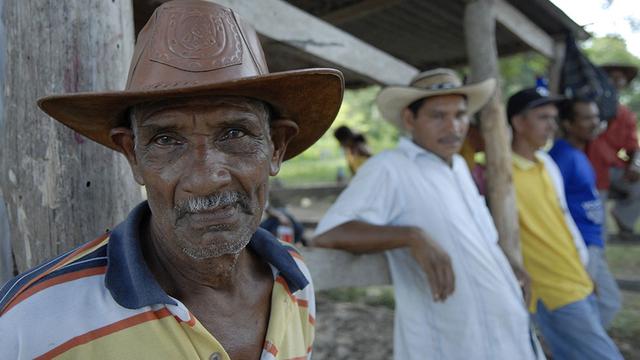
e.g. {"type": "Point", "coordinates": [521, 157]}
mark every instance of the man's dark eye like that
{"type": "Point", "coordinates": [234, 134]}
{"type": "Point", "coordinates": [165, 140]}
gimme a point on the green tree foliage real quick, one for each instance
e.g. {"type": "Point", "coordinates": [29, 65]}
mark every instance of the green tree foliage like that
{"type": "Point", "coordinates": [520, 71]}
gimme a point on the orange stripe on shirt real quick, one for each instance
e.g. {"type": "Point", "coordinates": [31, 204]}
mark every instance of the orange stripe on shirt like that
{"type": "Point", "coordinates": [54, 281]}
{"type": "Point", "coordinates": [270, 348]}
{"type": "Point", "coordinates": [312, 321]}
{"type": "Point", "coordinates": [60, 264]}
{"type": "Point", "coordinates": [295, 254]}
{"type": "Point", "coordinates": [106, 330]}
{"type": "Point", "coordinates": [303, 303]}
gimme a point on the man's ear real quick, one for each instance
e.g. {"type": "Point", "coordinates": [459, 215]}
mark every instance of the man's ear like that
{"type": "Point", "coordinates": [517, 124]}
{"type": "Point", "coordinates": [407, 119]}
{"type": "Point", "coordinates": [124, 140]}
{"type": "Point", "coordinates": [282, 131]}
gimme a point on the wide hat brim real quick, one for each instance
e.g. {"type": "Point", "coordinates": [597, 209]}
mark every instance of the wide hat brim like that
{"type": "Point", "coordinates": [393, 99]}
{"type": "Point", "coordinates": [629, 71]}
{"type": "Point", "coordinates": [310, 97]}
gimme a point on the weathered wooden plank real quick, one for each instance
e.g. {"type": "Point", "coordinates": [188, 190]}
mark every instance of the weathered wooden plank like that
{"type": "Point", "coordinates": [60, 188]}
{"type": "Point", "coordinates": [6, 258]}
{"type": "Point", "coordinates": [479, 27]}
{"type": "Point", "coordinates": [335, 268]}
{"type": "Point", "coordinates": [524, 28]}
{"type": "Point", "coordinates": [285, 23]}
{"type": "Point", "coordinates": [358, 10]}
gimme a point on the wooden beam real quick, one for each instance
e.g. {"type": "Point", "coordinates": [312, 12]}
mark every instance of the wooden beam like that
{"type": "Point", "coordinates": [521, 26]}
{"type": "Point", "coordinates": [358, 10]}
{"type": "Point", "coordinates": [337, 269]}
{"type": "Point", "coordinates": [280, 21]}
{"type": "Point", "coordinates": [555, 68]}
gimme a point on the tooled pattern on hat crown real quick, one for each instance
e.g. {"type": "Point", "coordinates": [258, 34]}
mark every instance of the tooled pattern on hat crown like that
{"type": "Point", "coordinates": [196, 40]}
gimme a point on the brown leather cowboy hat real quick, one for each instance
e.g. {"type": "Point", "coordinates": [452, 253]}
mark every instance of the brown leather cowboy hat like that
{"type": "Point", "coordinates": [198, 48]}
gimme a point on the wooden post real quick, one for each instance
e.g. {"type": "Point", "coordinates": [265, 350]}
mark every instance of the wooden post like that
{"type": "Point", "coordinates": [6, 254]}
{"type": "Point", "coordinates": [60, 188]}
{"type": "Point", "coordinates": [555, 68]}
{"type": "Point", "coordinates": [479, 27]}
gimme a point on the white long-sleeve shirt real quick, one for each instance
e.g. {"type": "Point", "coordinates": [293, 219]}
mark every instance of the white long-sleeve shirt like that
{"type": "Point", "coordinates": [485, 317]}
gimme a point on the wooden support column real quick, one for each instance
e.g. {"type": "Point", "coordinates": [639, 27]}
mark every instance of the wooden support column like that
{"type": "Point", "coordinates": [6, 254]}
{"type": "Point", "coordinates": [479, 27]}
{"type": "Point", "coordinates": [61, 189]}
{"type": "Point", "coordinates": [555, 68]}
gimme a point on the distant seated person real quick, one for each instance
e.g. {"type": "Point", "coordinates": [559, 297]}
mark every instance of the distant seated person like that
{"type": "Point", "coordinates": [617, 178]}
{"type": "Point", "coordinates": [354, 146]}
{"type": "Point", "coordinates": [279, 222]}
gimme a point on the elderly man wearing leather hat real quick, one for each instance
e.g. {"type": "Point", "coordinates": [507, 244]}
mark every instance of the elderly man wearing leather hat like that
{"type": "Point", "coordinates": [456, 294]}
{"type": "Point", "coordinates": [187, 275]}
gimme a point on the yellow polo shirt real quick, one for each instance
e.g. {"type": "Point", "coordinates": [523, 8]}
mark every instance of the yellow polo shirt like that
{"type": "Point", "coordinates": [550, 256]}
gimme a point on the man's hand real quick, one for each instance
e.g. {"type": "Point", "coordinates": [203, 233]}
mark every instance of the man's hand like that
{"type": "Point", "coordinates": [435, 262]}
{"type": "Point", "coordinates": [524, 281]}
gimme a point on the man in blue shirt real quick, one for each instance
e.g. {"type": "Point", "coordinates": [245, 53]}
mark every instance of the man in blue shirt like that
{"type": "Point", "coordinates": [579, 121]}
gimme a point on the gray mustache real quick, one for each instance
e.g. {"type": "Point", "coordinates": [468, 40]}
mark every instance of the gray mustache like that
{"type": "Point", "coordinates": [452, 138]}
{"type": "Point", "coordinates": [213, 202]}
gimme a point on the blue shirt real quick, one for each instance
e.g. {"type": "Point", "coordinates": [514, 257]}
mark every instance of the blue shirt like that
{"type": "Point", "coordinates": [583, 200]}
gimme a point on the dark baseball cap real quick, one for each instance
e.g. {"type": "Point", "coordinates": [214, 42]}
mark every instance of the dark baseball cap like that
{"type": "Point", "coordinates": [528, 99]}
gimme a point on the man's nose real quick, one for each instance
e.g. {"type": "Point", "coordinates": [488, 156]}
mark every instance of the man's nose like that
{"type": "Point", "coordinates": [453, 124]}
{"type": "Point", "coordinates": [208, 171]}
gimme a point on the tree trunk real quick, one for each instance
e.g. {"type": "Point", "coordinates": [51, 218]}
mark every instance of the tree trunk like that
{"type": "Point", "coordinates": [479, 26]}
{"type": "Point", "coordinates": [61, 189]}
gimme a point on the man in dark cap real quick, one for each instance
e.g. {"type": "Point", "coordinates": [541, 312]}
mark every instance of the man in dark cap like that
{"type": "Point", "coordinates": [553, 250]}
{"type": "Point", "coordinates": [187, 275]}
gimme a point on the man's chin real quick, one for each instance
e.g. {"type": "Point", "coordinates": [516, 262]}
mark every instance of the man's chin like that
{"type": "Point", "coordinates": [215, 243]}
{"type": "Point", "coordinates": [212, 252]}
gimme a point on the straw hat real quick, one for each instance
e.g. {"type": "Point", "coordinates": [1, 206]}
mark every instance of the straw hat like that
{"type": "Point", "coordinates": [629, 71]}
{"type": "Point", "coordinates": [195, 48]}
{"type": "Point", "coordinates": [393, 99]}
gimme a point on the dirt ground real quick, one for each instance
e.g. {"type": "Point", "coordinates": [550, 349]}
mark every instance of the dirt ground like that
{"type": "Point", "coordinates": [353, 331]}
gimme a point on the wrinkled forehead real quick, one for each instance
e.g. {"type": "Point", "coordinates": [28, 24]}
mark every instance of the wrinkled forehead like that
{"type": "Point", "coordinates": [143, 112]}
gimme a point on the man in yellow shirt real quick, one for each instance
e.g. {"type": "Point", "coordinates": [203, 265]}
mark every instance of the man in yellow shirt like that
{"type": "Point", "coordinates": [554, 254]}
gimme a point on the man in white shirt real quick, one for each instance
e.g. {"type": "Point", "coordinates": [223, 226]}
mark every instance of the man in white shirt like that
{"type": "Point", "coordinates": [456, 294]}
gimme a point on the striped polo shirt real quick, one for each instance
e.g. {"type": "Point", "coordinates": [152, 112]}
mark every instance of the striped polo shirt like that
{"type": "Point", "coordinates": [101, 301]}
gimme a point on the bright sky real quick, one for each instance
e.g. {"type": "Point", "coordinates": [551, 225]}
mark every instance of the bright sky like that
{"type": "Point", "coordinates": [602, 20]}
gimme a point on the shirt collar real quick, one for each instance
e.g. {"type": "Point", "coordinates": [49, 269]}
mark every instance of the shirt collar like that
{"type": "Point", "coordinates": [412, 150]}
{"type": "Point", "coordinates": [132, 285]}
{"type": "Point", "coordinates": [523, 163]}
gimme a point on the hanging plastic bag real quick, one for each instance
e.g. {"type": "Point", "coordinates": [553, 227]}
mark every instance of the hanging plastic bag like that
{"type": "Point", "coordinates": [581, 78]}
